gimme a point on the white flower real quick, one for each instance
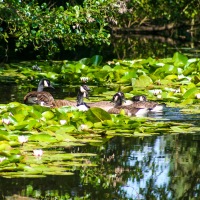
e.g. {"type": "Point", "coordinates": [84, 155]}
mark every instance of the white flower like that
{"type": "Point", "coordinates": [5, 121]}
{"type": "Point", "coordinates": [84, 79]}
{"type": "Point", "coordinates": [198, 96]}
{"type": "Point", "coordinates": [177, 90]}
{"type": "Point", "coordinates": [37, 152]}
{"type": "Point", "coordinates": [83, 127]}
{"type": "Point", "coordinates": [2, 159]}
{"type": "Point", "coordinates": [22, 139]}
{"type": "Point", "coordinates": [181, 76]}
{"type": "Point", "coordinates": [63, 121]}
{"type": "Point", "coordinates": [156, 92]}
{"type": "Point", "coordinates": [159, 96]}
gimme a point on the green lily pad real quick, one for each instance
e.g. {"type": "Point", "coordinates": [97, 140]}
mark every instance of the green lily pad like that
{"type": "Point", "coordinates": [190, 93]}
{"type": "Point", "coordinates": [143, 81]}
{"type": "Point", "coordinates": [42, 138]}
{"type": "Point", "coordinates": [179, 59]}
{"type": "Point", "coordinates": [48, 114]}
{"type": "Point", "coordinates": [97, 115]}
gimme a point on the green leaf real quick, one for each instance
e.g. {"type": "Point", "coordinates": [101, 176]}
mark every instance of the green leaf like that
{"type": "Point", "coordinates": [171, 77]}
{"type": "Point", "coordinates": [66, 129]}
{"type": "Point", "coordinates": [190, 93]}
{"type": "Point", "coordinates": [170, 69]}
{"type": "Point", "coordinates": [107, 68]}
{"type": "Point", "coordinates": [186, 102]}
{"type": "Point", "coordinates": [48, 115]}
{"type": "Point", "coordinates": [97, 115]}
{"type": "Point", "coordinates": [4, 145]}
{"type": "Point", "coordinates": [64, 137]}
{"type": "Point", "coordinates": [128, 77]}
{"type": "Point", "coordinates": [3, 137]}
{"type": "Point", "coordinates": [42, 138]}
{"type": "Point", "coordinates": [179, 59]}
{"type": "Point", "coordinates": [21, 125]}
{"type": "Point", "coordinates": [143, 81]}
{"type": "Point", "coordinates": [177, 129]}
{"type": "Point", "coordinates": [96, 60]}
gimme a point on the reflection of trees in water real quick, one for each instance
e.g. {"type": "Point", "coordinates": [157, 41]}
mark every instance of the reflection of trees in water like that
{"type": "Point", "coordinates": [123, 46]}
{"type": "Point", "coordinates": [165, 167]}
{"type": "Point", "coordinates": [143, 46]}
{"type": "Point", "coordinates": [185, 170]}
{"type": "Point", "coordinates": [8, 93]}
{"type": "Point", "coordinates": [149, 168]}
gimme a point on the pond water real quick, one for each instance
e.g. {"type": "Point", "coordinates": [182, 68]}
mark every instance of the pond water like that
{"type": "Point", "coordinates": [156, 167]}
{"type": "Point", "coordinates": [161, 167]}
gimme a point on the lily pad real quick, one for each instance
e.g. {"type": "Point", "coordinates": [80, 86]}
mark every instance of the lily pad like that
{"type": "Point", "coordinates": [97, 115]}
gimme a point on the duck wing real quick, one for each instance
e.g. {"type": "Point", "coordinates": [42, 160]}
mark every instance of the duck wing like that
{"type": "Point", "coordinates": [40, 98]}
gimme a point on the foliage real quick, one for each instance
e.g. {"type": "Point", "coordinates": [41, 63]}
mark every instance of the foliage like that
{"type": "Point", "coordinates": [35, 137]}
{"type": "Point", "coordinates": [149, 13]}
{"type": "Point", "coordinates": [49, 28]}
{"type": "Point", "coordinates": [36, 142]}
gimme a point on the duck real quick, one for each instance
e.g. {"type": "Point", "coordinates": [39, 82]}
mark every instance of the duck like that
{"type": "Point", "coordinates": [83, 92]}
{"type": "Point", "coordinates": [140, 101]}
{"type": "Point", "coordinates": [40, 97]}
{"type": "Point", "coordinates": [105, 105]}
{"type": "Point", "coordinates": [115, 106]}
{"type": "Point", "coordinates": [129, 110]}
{"type": "Point", "coordinates": [45, 99]}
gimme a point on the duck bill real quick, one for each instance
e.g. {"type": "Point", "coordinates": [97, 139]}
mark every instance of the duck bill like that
{"type": "Point", "coordinates": [51, 86]}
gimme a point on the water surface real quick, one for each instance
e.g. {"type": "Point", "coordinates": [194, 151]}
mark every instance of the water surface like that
{"type": "Point", "coordinates": [160, 167]}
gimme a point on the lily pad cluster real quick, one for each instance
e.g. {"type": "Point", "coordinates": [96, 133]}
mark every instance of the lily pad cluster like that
{"type": "Point", "coordinates": [37, 141]}
{"type": "Point", "coordinates": [172, 80]}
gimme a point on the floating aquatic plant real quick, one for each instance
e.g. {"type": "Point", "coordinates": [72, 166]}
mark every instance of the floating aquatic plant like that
{"type": "Point", "coordinates": [33, 139]}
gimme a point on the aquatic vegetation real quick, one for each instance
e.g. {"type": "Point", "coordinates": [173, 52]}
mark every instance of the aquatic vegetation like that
{"type": "Point", "coordinates": [176, 79]}
{"type": "Point", "coordinates": [36, 141]}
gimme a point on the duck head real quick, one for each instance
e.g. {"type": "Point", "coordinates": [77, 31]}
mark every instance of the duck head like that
{"type": "Point", "coordinates": [44, 83]}
{"type": "Point", "coordinates": [139, 98]}
{"type": "Point", "coordinates": [82, 93]}
{"type": "Point", "coordinates": [118, 98]}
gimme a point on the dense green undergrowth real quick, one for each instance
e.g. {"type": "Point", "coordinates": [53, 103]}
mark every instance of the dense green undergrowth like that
{"type": "Point", "coordinates": [36, 141]}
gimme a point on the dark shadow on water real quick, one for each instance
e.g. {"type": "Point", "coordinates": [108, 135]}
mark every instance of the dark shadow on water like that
{"type": "Point", "coordinates": [123, 46]}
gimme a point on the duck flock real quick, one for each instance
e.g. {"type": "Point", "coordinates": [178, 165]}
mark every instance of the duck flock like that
{"type": "Point", "coordinates": [137, 106]}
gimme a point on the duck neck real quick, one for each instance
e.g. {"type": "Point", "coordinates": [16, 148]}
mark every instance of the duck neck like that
{"type": "Point", "coordinates": [80, 98]}
{"type": "Point", "coordinates": [40, 87]}
{"type": "Point", "coordinates": [118, 102]}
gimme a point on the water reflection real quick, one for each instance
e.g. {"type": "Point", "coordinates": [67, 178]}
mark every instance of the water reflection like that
{"type": "Point", "coordinates": [175, 114]}
{"type": "Point", "coordinates": [155, 164]}
{"type": "Point", "coordinates": [133, 46]}
{"type": "Point", "coordinates": [160, 167]}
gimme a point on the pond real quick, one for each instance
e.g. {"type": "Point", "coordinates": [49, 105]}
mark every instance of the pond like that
{"type": "Point", "coordinates": [150, 167]}
{"type": "Point", "coordinates": [161, 167]}
{"type": "Point", "coordinates": [159, 160]}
